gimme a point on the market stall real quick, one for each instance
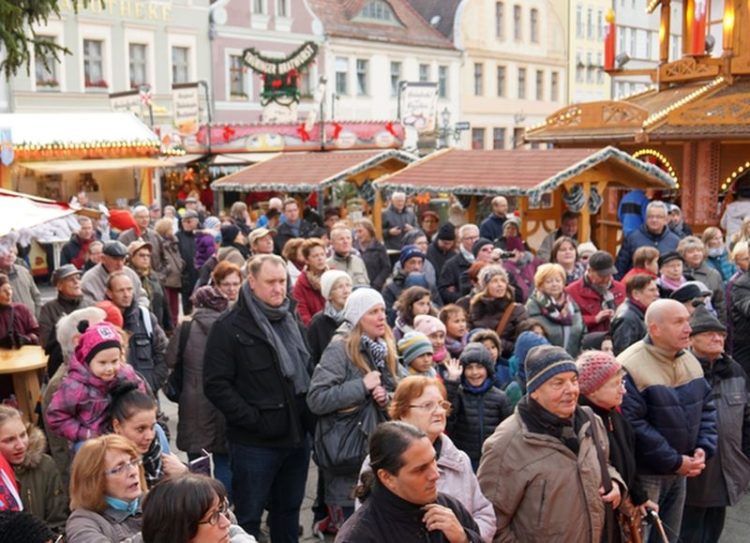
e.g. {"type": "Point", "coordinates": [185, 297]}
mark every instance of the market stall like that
{"type": "Point", "coordinates": [541, 183]}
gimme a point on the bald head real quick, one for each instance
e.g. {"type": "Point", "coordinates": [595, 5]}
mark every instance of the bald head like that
{"type": "Point", "coordinates": [499, 206]}
{"type": "Point", "coordinates": [668, 323]}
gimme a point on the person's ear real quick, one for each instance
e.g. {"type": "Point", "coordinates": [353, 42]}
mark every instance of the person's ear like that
{"type": "Point", "coordinates": [116, 426]}
{"type": "Point", "coordinates": [386, 478]}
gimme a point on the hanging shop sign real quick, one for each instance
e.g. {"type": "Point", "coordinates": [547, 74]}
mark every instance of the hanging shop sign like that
{"type": "Point", "coordinates": [188, 111]}
{"type": "Point", "coordinates": [418, 106]}
{"type": "Point", "coordinates": [127, 102]}
{"type": "Point", "coordinates": [280, 76]}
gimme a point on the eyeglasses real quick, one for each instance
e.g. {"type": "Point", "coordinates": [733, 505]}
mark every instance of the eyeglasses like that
{"type": "Point", "coordinates": [431, 407]}
{"type": "Point", "coordinates": [121, 468]}
{"type": "Point", "coordinates": [213, 519]}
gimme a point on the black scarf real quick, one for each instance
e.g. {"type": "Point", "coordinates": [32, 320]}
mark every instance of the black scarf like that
{"type": "Point", "coordinates": [152, 464]}
{"type": "Point", "coordinates": [540, 421]}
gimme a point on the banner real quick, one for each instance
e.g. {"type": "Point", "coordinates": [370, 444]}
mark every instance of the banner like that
{"type": "Point", "coordinates": [187, 106]}
{"type": "Point", "coordinates": [127, 102]}
{"type": "Point", "coordinates": [418, 106]}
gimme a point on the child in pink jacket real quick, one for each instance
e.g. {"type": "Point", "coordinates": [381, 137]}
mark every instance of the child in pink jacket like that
{"type": "Point", "coordinates": [79, 409]}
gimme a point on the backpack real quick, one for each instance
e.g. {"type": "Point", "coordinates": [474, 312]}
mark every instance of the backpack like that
{"type": "Point", "coordinates": [173, 388]}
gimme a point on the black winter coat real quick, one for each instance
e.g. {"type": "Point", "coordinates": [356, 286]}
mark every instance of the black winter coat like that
{"type": "Point", "coordinates": [739, 314]}
{"type": "Point", "coordinates": [146, 349]}
{"type": "Point", "coordinates": [242, 378]}
{"type": "Point", "coordinates": [627, 326]}
{"type": "Point", "coordinates": [377, 263]}
{"type": "Point", "coordinates": [320, 332]}
{"type": "Point", "coordinates": [438, 257]}
{"type": "Point", "coordinates": [386, 517]}
{"type": "Point", "coordinates": [474, 417]}
{"type": "Point", "coordinates": [487, 313]}
{"type": "Point", "coordinates": [454, 275]}
{"type": "Point", "coordinates": [284, 233]}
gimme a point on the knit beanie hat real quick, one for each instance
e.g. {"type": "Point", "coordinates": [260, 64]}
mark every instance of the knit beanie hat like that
{"type": "Point", "coordinates": [211, 222]}
{"type": "Point", "coordinates": [229, 234]}
{"type": "Point", "coordinates": [360, 302]}
{"type": "Point", "coordinates": [702, 320]}
{"type": "Point", "coordinates": [408, 252]}
{"type": "Point", "coordinates": [544, 362]}
{"type": "Point", "coordinates": [428, 325]}
{"type": "Point", "coordinates": [476, 353]}
{"type": "Point", "coordinates": [413, 345]}
{"type": "Point", "coordinates": [416, 279]}
{"type": "Point", "coordinates": [478, 244]}
{"type": "Point", "coordinates": [328, 279]}
{"type": "Point", "coordinates": [594, 369]}
{"type": "Point", "coordinates": [447, 232]}
{"type": "Point", "coordinates": [114, 315]}
{"type": "Point", "coordinates": [586, 248]}
{"type": "Point", "coordinates": [22, 526]}
{"type": "Point", "coordinates": [96, 338]}
{"type": "Point", "coordinates": [209, 297]}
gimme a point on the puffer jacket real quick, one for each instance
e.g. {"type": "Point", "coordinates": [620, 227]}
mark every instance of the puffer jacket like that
{"type": "Point", "coordinates": [540, 489]}
{"type": "Point", "coordinates": [628, 326]}
{"type": "Point", "coordinates": [487, 313]}
{"type": "Point", "coordinates": [172, 263]}
{"type": "Point", "coordinates": [40, 485]}
{"type": "Point", "coordinates": [727, 475]}
{"type": "Point", "coordinates": [474, 417]}
{"type": "Point", "coordinates": [85, 526]}
{"type": "Point", "coordinates": [669, 405]}
{"type": "Point", "coordinates": [723, 265]}
{"type": "Point", "coordinates": [79, 409]}
{"type": "Point", "coordinates": [458, 480]}
{"type": "Point", "coordinates": [590, 302]}
{"type": "Point", "coordinates": [665, 242]}
{"type": "Point", "coordinates": [712, 279]}
{"type": "Point", "coordinates": [199, 425]}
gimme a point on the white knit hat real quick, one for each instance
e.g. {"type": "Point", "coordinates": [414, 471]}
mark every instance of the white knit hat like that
{"type": "Point", "coordinates": [328, 279]}
{"type": "Point", "coordinates": [360, 302]}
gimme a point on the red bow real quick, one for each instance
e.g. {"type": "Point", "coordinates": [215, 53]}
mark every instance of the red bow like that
{"type": "Point", "coordinates": [228, 133]}
{"type": "Point", "coordinates": [337, 128]}
{"type": "Point", "coordinates": [303, 134]}
{"type": "Point", "coordinates": [389, 127]}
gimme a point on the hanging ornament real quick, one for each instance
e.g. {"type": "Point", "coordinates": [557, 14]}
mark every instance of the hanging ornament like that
{"type": "Point", "coordinates": [595, 201]}
{"type": "Point", "coordinates": [574, 199]}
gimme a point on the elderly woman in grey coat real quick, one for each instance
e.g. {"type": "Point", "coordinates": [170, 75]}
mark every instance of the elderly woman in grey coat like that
{"type": "Point", "coordinates": [358, 369]}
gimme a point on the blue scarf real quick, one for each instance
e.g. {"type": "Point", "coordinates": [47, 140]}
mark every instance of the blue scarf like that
{"type": "Point", "coordinates": [477, 391]}
{"type": "Point", "coordinates": [377, 350]}
{"type": "Point", "coordinates": [131, 507]}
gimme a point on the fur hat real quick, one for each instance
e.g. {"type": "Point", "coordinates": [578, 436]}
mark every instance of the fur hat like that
{"type": "Point", "coordinates": [328, 279]}
{"type": "Point", "coordinates": [428, 325]}
{"type": "Point", "coordinates": [413, 345]}
{"type": "Point", "coordinates": [586, 247]}
{"type": "Point", "coordinates": [360, 302]}
{"type": "Point", "coordinates": [476, 353]}
{"type": "Point", "coordinates": [96, 338]}
{"type": "Point", "coordinates": [594, 369]}
{"type": "Point", "coordinates": [544, 362]}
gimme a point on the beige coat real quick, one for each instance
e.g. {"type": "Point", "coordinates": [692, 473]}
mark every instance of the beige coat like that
{"type": "Point", "coordinates": [540, 491]}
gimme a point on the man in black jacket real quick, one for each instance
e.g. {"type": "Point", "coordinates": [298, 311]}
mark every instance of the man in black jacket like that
{"type": "Point", "coordinates": [257, 372]}
{"type": "Point", "coordinates": [450, 284]}
{"type": "Point", "coordinates": [293, 227]}
{"type": "Point", "coordinates": [628, 325]}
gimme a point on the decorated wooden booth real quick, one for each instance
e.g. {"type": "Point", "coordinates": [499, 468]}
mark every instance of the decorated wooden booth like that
{"type": "Point", "coordinates": [538, 181]}
{"type": "Point", "coordinates": [694, 123]}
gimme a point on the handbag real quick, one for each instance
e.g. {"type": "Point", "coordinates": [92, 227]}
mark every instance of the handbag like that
{"type": "Point", "coordinates": [504, 319]}
{"type": "Point", "coordinates": [341, 439]}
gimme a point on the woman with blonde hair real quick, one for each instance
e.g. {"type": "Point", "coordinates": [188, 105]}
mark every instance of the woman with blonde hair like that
{"type": "Point", "coordinates": [558, 314]}
{"type": "Point", "coordinates": [717, 254]}
{"type": "Point", "coordinates": [357, 372]}
{"type": "Point", "coordinates": [106, 487]}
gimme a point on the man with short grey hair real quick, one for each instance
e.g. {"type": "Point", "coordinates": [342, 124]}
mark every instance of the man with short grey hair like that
{"type": "Point", "coordinates": [655, 232]}
{"type": "Point", "coordinates": [143, 231]}
{"type": "Point", "coordinates": [344, 258]}
{"type": "Point", "coordinates": [397, 221]}
{"type": "Point", "coordinates": [452, 283]}
{"type": "Point", "coordinates": [94, 281]}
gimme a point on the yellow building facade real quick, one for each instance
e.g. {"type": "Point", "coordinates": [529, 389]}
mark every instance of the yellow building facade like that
{"type": "Point", "coordinates": [587, 81]}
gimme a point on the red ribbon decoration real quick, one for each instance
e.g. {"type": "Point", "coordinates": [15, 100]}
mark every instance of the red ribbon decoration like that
{"type": "Point", "coordinates": [337, 128]}
{"type": "Point", "coordinates": [303, 134]}
{"type": "Point", "coordinates": [228, 133]}
{"type": "Point", "coordinates": [389, 127]}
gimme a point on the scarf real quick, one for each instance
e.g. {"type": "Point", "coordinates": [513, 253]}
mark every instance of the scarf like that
{"type": "Point", "coordinates": [669, 284]}
{"type": "Point", "coordinates": [294, 227]}
{"type": "Point", "coordinates": [131, 507]}
{"type": "Point", "coordinates": [541, 421]}
{"type": "Point", "coordinates": [439, 356]}
{"type": "Point", "coordinates": [477, 391]}
{"type": "Point", "coordinates": [282, 332]}
{"type": "Point", "coordinates": [376, 349]}
{"type": "Point", "coordinates": [559, 313]}
{"type": "Point", "coordinates": [152, 465]}
{"type": "Point", "coordinates": [456, 346]}
{"type": "Point", "coordinates": [608, 299]}
{"type": "Point", "coordinates": [468, 255]}
{"type": "Point", "coordinates": [336, 314]}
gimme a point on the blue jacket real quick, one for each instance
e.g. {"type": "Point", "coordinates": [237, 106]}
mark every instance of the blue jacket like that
{"type": "Point", "coordinates": [665, 242]}
{"type": "Point", "coordinates": [632, 211]}
{"type": "Point", "coordinates": [492, 227]}
{"type": "Point", "coordinates": [669, 404]}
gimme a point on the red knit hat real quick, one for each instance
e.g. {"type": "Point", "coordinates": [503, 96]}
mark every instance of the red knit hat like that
{"type": "Point", "coordinates": [594, 369]}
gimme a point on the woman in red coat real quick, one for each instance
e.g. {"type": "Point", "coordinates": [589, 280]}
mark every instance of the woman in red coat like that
{"type": "Point", "coordinates": [306, 291]}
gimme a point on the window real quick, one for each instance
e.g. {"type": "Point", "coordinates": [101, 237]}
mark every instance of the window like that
{"type": "Point", "coordinates": [633, 47]}
{"type": "Point", "coordinates": [45, 67]}
{"type": "Point", "coordinates": [93, 63]}
{"type": "Point", "coordinates": [137, 53]}
{"type": "Point", "coordinates": [534, 26]}
{"type": "Point", "coordinates": [237, 77]}
{"type": "Point", "coordinates": [498, 138]}
{"type": "Point", "coordinates": [599, 25]}
{"type": "Point", "coordinates": [395, 77]}
{"type": "Point", "coordinates": [180, 64]}
{"type": "Point", "coordinates": [590, 23]}
{"type": "Point", "coordinates": [362, 68]}
{"type": "Point", "coordinates": [540, 84]}
{"type": "Point", "coordinates": [282, 8]}
{"type": "Point", "coordinates": [478, 79]}
{"type": "Point", "coordinates": [306, 82]}
{"type": "Point", "coordinates": [500, 20]}
{"type": "Point", "coordinates": [522, 83]}
{"type": "Point", "coordinates": [443, 81]}
{"type": "Point", "coordinates": [342, 75]}
{"type": "Point", "coordinates": [517, 31]}
{"type": "Point", "coordinates": [424, 72]}
{"type": "Point", "coordinates": [477, 138]}
{"type": "Point", "coordinates": [621, 31]}
{"type": "Point", "coordinates": [258, 7]}
{"type": "Point", "coordinates": [649, 43]}
{"type": "Point", "coordinates": [501, 81]}
{"type": "Point", "coordinates": [579, 22]}
{"type": "Point", "coordinates": [554, 87]}
{"type": "Point", "coordinates": [518, 133]}
{"type": "Point", "coordinates": [589, 69]}
{"type": "Point", "coordinates": [599, 68]}
{"type": "Point", "coordinates": [579, 68]}
{"type": "Point", "coordinates": [377, 10]}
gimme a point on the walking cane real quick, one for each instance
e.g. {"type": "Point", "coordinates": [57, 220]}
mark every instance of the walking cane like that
{"type": "Point", "coordinates": [653, 518]}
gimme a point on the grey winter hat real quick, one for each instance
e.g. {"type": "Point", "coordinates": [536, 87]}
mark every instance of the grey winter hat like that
{"type": "Point", "coordinates": [63, 272]}
{"type": "Point", "coordinates": [476, 353]}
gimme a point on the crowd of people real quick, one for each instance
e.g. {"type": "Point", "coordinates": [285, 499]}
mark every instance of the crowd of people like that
{"type": "Point", "coordinates": [451, 382]}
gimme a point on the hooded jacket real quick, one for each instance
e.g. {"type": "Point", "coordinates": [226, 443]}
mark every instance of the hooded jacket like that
{"type": "Point", "coordinates": [40, 485]}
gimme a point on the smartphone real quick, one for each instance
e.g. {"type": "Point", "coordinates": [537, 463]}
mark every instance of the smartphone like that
{"type": "Point", "coordinates": [202, 464]}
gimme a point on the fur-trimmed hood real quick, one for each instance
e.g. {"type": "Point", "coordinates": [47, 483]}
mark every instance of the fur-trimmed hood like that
{"type": "Point", "coordinates": [37, 446]}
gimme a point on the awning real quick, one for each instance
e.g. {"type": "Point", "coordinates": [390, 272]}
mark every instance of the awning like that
{"type": "Point", "coordinates": [62, 166]}
{"type": "Point", "coordinates": [182, 160]}
{"type": "Point", "coordinates": [230, 159]}
{"type": "Point", "coordinates": [17, 212]}
{"type": "Point", "coordinates": [305, 172]}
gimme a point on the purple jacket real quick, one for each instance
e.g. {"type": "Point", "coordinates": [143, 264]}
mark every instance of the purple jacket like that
{"type": "Point", "coordinates": [79, 409]}
{"type": "Point", "coordinates": [205, 247]}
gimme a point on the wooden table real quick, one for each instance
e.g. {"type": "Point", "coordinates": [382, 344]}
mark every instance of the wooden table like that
{"type": "Point", "coordinates": [24, 365]}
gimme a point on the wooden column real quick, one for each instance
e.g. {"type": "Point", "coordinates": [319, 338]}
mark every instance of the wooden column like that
{"type": "Point", "coordinates": [471, 213]}
{"type": "Point", "coordinates": [523, 202]}
{"type": "Point", "coordinates": [664, 29]}
{"type": "Point", "coordinates": [584, 228]}
{"type": "Point", "coordinates": [377, 215]}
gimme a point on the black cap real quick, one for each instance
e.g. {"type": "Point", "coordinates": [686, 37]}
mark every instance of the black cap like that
{"type": "Point", "coordinates": [115, 249]}
{"type": "Point", "coordinates": [690, 291]}
{"type": "Point", "coordinates": [447, 232]}
{"type": "Point", "coordinates": [229, 233]}
{"type": "Point", "coordinates": [63, 272]}
{"type": "Point", "coordinates": [478, 244]}
{"type": "Point", "coordinates": [602, 263]}
{"type": "Point", "coordinates": [669, 257]}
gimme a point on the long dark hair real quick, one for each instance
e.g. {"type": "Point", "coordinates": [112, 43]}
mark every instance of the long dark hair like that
{"type": "Point", "coordinates": [405, 303]}
{"type": "Point", "coordinates": [387, 445]}
{"type": "Point", "coordinates": [127, 400]}
{"type": "Point", "coordinates": [173, 508]}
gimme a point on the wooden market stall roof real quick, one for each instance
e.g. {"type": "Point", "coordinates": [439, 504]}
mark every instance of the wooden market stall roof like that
{"type": "Point", "coordinates": [521, 172]}
{"type": "Point", "coordinates": [305, 172]}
